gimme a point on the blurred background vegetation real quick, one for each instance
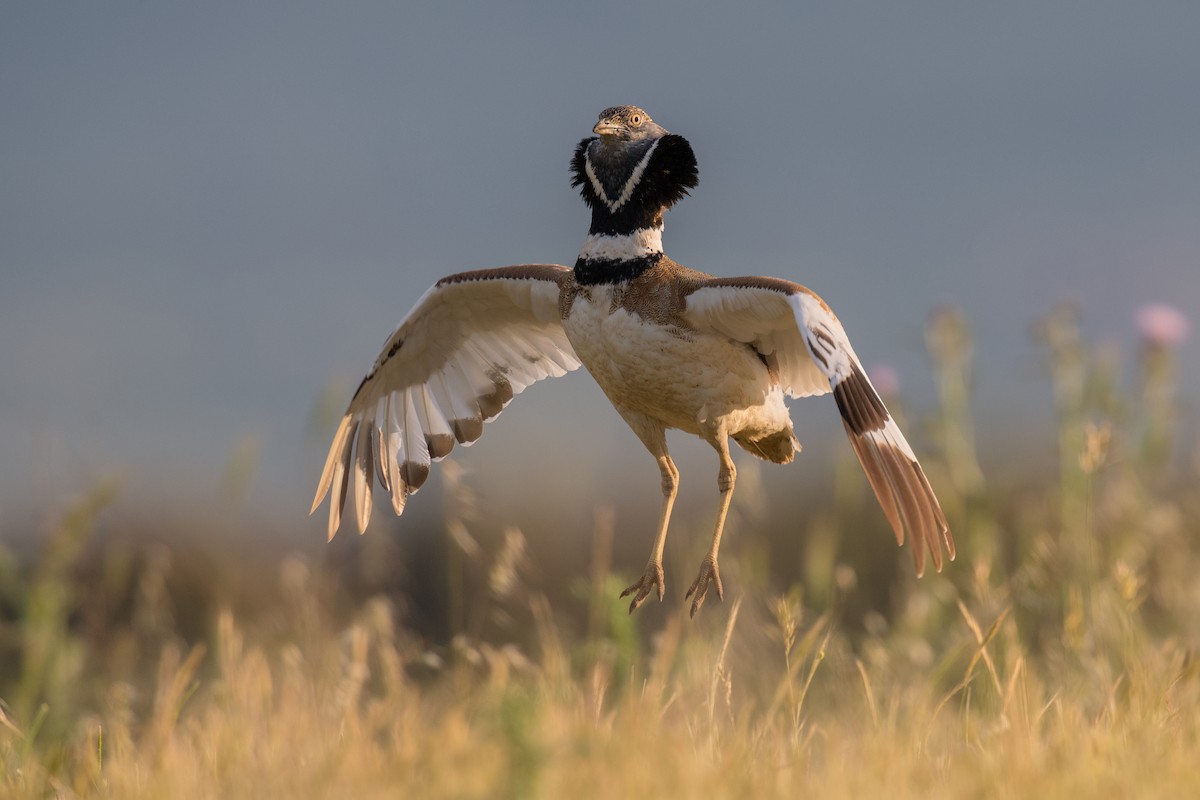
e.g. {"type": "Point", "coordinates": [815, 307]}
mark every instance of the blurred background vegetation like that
{"type": "Point", "coordinates": [191, 652]}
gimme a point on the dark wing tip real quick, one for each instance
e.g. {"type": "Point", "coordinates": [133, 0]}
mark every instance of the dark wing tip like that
{"type": "Point", "coordinates": [493, 402]}
{"type": "Point", "coordinates": [439, 444]}
{"type": "Point", "coordinates": [467, 429]}
{"type": "Point", "coordinates": [414, 474]}
{"type": "Point", "coordinates": [861, 406]}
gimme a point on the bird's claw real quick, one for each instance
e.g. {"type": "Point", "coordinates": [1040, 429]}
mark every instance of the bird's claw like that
{"type": "Point", "coordinates": [652, 578]}
{"type": "Point", "coordinates": [708, 572]}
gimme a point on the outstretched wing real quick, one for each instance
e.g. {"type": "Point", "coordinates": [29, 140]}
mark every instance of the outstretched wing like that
{"type": "Point", "coordinates": [794, 329]}
{"type": "Point", "coordinates": [470, 344]}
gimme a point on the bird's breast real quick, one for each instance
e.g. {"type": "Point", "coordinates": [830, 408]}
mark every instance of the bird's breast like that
{"type": "Point", "coordinates": [651, 363]}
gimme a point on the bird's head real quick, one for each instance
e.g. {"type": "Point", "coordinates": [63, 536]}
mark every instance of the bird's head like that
{"type": "Point", "coordinates": [622, 124]}
{"type": "Point", "coordinates": [633, 169]}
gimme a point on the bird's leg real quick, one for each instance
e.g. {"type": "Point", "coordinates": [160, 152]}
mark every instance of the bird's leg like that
{"type": "Point", "coordinates": [726, 478]}
{"type": "Point", "coordinates": [652, 578]}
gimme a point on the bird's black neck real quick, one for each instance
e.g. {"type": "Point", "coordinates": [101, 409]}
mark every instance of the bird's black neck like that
{"type": "Point", "coordinates": [593, 273]}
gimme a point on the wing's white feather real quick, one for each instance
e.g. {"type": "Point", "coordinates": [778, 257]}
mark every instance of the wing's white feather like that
{"type": "Point", "coordinates": [471, 343]}
{"type": "Point", "coordinates": [764, 318]}
{"type": "Point", "coordinates": [415, 467]}
{"type": "Point", "coordinates": [364, 476]}
{"type": "Point", "coordinates": [340, 438]}
{"type": "Point", "coordinates": [429, 414]}
{"type": "Point", "coordinates": [457, 397]}
{"type": "Point", "coordinates": [392, 437]}
{"type": "Point", "coordinates": [788, 323]}
{"type": "Point", "coordinates": [337, 470]}
{"type": "Point", "coordinates": [382, 450]}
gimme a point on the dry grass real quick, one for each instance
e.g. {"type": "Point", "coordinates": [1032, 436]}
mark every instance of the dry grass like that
{"type": "Point", "coordinates": [1055, 658]}
{"type": "Point", "coordinates": [345, 717]}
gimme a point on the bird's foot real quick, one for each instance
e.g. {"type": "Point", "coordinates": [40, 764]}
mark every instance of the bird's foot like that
{"type": "Point", "coordinates": [708, 572]}
{"type": "Point", "coordinates": [652, 578]}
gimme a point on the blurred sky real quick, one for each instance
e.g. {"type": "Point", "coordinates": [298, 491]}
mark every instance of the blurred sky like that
{"type": "Point", "coordinates": [212, 213]}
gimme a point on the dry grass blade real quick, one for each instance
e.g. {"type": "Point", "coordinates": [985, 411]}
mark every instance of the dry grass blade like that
{"type": "Point", "coordinates": [982, 640]}
{"type": "Point", "coordinates": [720, 675]}
{"type": "Point", "coordinates": [176, 682]}
{"type": "Point", "coordinates": [805, 649]}
{"type": "Point", "coordinates": [870, 693]}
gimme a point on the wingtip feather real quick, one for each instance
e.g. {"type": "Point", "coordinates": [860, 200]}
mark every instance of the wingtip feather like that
{"type": "Point", "coordinates": [335, 453]}
{"type": "Point", "coordinates": [905, 494]}
{"type": "Point", "coordinates": [364, 478]}
{"type": "Point", "coordinates": [341, 480]}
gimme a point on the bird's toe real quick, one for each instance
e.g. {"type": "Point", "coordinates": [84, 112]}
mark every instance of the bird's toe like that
{"type": "Point", "coordinates": [709, 573]}
{"type": "Point", "coordinates": [652, 578]}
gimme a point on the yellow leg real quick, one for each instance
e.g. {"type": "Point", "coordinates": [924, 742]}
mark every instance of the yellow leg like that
{"type": "Point", "coordinates": [653, 577]}
{"type": "Point", "coordinates": [709, 572]}
{"type": "Point", "coordinates": [654, 437]}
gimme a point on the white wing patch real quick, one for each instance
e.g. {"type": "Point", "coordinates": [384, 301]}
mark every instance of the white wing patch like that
{"type": "Point", "coordinates": [765, 319]}
{"type": "Point", "coordinates": [824, 336]}
{"type": "Point", "coordinates": [630, 184]}
{"type": "Point", "coordinates": [469, 345]}
{"type": "Point", "coordinates": [786, 322]}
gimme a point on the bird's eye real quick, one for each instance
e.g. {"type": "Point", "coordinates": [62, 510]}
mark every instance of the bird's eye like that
{"type": "Point", "coordinates": [636, 119]}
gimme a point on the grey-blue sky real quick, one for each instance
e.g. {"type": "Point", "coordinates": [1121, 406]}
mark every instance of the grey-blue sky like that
{"type": "Point", "coordinates": [208, 211]}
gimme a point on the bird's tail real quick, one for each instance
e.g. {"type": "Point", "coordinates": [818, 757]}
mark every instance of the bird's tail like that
{"type": "Point", "coordinates": [779, 447]}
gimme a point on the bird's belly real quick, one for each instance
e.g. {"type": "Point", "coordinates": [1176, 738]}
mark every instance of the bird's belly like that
{"type": "Point", "coordinates": [680, 377]}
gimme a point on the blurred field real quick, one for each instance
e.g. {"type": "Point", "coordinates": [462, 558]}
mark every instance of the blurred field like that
{"type": "Point", "coordinates": [1057, 656]}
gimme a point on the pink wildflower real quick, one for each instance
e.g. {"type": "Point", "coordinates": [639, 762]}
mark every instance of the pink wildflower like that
{"type": "Point", "coordinates": [885, 379]}
{"type": "Point", "coordinates": [1162, 324]}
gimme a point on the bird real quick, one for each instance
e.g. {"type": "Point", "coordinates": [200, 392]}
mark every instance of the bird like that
{"type": "Point", "coordinates": [672, 348]}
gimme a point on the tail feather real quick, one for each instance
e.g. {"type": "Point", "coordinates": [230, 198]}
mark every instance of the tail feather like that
{"type": "Point", "coordinates": [779, 447]}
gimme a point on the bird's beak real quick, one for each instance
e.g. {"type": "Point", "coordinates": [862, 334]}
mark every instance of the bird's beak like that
{"type": "Point", "coordinates": [605, 127]}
